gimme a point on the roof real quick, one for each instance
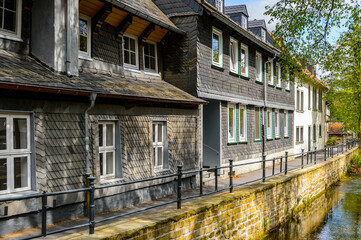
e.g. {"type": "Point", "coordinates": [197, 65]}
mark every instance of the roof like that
{"type": "Point", "coordinates": [335, 128]}
{"type": "Point", "coordinates": [147, 10]}
{"type": "Point", "coordinates": [24, 73]}
{"type": "Point", "coordinates": [235, 9]}
{"type": "Point", "coordinates": [257, 23]}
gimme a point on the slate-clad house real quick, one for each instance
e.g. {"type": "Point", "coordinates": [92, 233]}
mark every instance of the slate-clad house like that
{"type": "Point", "coordinates": [226, 61]}
{"type": "Point", "coordinates": [73, 71]}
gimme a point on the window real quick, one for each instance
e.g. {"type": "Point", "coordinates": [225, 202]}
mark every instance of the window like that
{"type": "Point", "coordinates": [242, 123]}
{"type": "Point", "coordinates": [150, 57]}
{"type": "Point", "coordinates": [219, 5]}
{"type": "Point", "coordinates": [320, 131]}
{"type": "Point", "coordinates": [233, 55]}
{"type": "Point", "coordinates": [299, 135]}
{"type": "Point", "coordinates": [10, 14]}
{"type": "Point", "coordinates": [244, 21]}
{"type": "Point", "coordinates": [130, 50]}
{"type": "Point", "coordinates": [299, 102]}
{"type": "Point", "coordinates": [314, 97]}
{"type": "Point", "coordinates": [217, 48]}
{"type": "Point", "coordinates": [269, 122]}
{"type": "Point", "coordinates": [309, 97]}
{"type": "Point", "coordinates": [314, 133]}
{"type": "Point", "coordinates": [320, 100]}
{"type": "Point", "coordinates": [263, 35]}
{"type": "Point", "coordinates": [285, 123]}
{"type": "Point", "coordinates": [269, 72]}
{"type": "Point", "coordinates": [231, 122]}
{"type": "Point", "coordinates": [160, 146]}
{"type": "Point", "coordinates": [14, 153]}
{"type": "Point", "coordinates": [257, 121]}
{"type": "Point", "coordinates": [106, 149]}
{"type": "Point", "coordinates": [259, 67]}
{"type": "Point", "coordinates": [278, 75]}
{"type": "Point", "coordinates": [84, 35]}
{"type": "Point", "coordinates": [244, 60]}
{"type": "Point", "coordinates": [288, 85]}
{"type": "Point", "coordinates": [277, 124]}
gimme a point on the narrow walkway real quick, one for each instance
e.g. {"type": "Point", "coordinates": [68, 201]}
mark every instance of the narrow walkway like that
{"type": "Point", "coordinates": [208, 188]}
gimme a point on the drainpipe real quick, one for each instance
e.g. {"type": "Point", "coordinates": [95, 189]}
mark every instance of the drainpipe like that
{"type": "Point", "coordinates": [92, 98]}
{"type": "Point", "coordinates": [68, 37]}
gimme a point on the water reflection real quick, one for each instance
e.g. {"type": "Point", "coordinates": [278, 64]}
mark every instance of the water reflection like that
{"type": "Point", "coordinates": [334, 215]}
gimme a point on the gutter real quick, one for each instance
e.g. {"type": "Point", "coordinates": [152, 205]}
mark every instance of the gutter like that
{"type": "Point", "coordinates": [145, 16]}
{"type": "Point", "coordinates": [68, 38]}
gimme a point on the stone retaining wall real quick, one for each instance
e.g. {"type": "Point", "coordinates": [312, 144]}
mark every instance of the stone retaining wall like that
{"type": "Point", "coordinates": [248, 213]}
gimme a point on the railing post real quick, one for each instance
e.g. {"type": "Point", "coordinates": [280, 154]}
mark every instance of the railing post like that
{"type": "Point", "coordinates": [302, 163]}
{"type": "Point", "coordinates": [216, 178]}
{"type": "Point", "coordinates": [263, 168]}
{"type": "Point", "coordinates": [273, 166]}
{"type": "Point", "coordinates": [315, 155]}
{"type": "Point", "coordinates": [44, 203]}
{"type": "Point", "coordinates": [281, 163]}
{"type": "Point", "coordinates": [91, 205]}
{"type": "Point", "coordinates": [201, 181]}
{"type": "Point", "coordinates": [325, 153]}
{"type": "Point", "coordinates": [286, 160]}
{"type": "Point", "coordinates": [231, 175]}
{"type": "Point", "coordinates": [179, 187]}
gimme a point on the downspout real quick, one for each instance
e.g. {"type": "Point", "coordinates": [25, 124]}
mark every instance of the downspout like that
{"type": "Point", "coordinates": [263, 114]}
{"type": "Point", "coordinates": [92, 98]}
{"type": "Point", "coordinates": [68, 38]}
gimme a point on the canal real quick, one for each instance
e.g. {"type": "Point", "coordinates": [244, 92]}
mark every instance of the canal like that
{"type": "Point", "coordinates": [336, 214]}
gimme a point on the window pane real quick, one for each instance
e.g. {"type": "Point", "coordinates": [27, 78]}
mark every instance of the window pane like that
{"type": "Point", "coordinates": [146, 61]}
{"type": "Point", "coordinates": [109, 165]}
{"type": "Point", "coordinates": [257, 124]}
{"type": "Point", "coordinates": [1, 17]}
{"type": "Point", "coordinates": [243, 61]}
{"type": "Point", "coordinates": [83, 44]}
{"type": "Point", "coordinates": [230, 123]}
{"type": "Point", "coordinates": [100, 135]}
{"type": "Point", "coordinates": [160, 156]}
{"type": "Point", "coordinates": [132, 59]}
{"type": "Point", "coordinates": [160, 135]}
{"type": "Point", "coordinates": [10, 4]}
{"type": "Point", "coordinates": [151, 50]}
{"type": "Point", "coordinates": [154, 132]}
{"type": "Point", "coordinates": [2, 133]}
{"type": "Point", "coordinates": [101, 163]}
{"type": "Point", "coordinates": [83, 27]}
{"type": "Point", "coordinates": [126, 57]}
{"type": "Point", "coordinates": [241, 121]}
{"type": "Point", "coordinates": [126, 42]}
{"type": "Point", "coordinates": [9, 20]}
{"type": "Point", "coordinates": [152, 63]}
{"type": "Point", "coordinates": [109, 135]}
{"type": "Point", "coordinates": [215, 46]}
{"type": "Point", "coordinates": [146, 49]}
{"type": "Point", "coordinates": [3, 174]}
{"type": "Point", "coordinates": [132, 44]}
{"type": "Point", "coordinates": [20, 133]}
{"type": "Point", "coordinates": [20, 172]}
{"type": "Point", "coordinates": [154, 157]}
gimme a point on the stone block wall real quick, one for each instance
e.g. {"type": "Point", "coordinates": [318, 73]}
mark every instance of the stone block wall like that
{"type": "Point", "coordinates": [249, 213]}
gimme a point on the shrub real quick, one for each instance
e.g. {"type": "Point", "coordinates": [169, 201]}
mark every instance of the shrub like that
{"type": "Point", "coordinates": [356, 160]}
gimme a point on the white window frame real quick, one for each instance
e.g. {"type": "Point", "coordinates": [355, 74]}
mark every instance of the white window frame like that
{"type": "Point", "coordinates": [17, 34]}
{"type": "Point", "coordinates": [217, 32]}
{"type": "Point", "coordinates": [286, 124]}
{"type": "Point", "coordinates": [259, 75]}
{"type": "Point", "coordinates": [244, 21]}
{"type": "Point", "coordinates": [156, 58]}
{"type": "Point", "coordinates": [277, 120]}
{"type": "Point", "coordinates": [10, 153]}
{"type": "Point", "coordinates": [219, 5]}
{"type": "Point", "coordinates": [86, 54]}
{"type": "Point", "coordinates": [105, 149]}
{"type": "Point", "coordinates": [320, 131]}
{"type": "Point", "coordinates": [279, 83]}
{"type": "Point", "coordinates": [263, 35]}
{"type": "Point", "coordinates": [259, 125]}
{"type": "Point", "coordinates": [288, 85]}
{"type": "Point", "coordinates": [233, 42]}
{"type": "Point", "coordinates": [127, 65]}
{"type": "Point", "coordinates": [245, 48]}
{"type": "Point", "coordinates": [299, 134]}
{"type": "Point", "coordinates": [242, 138]}
{"type": "Point", "coordinates": [269, 121]}
{"type": "Point", "coordinates": [156, 145]}
{"type": "Point", "coordinates": [271, 80]}
{"type": "Point", "coordinates": [234, 125]}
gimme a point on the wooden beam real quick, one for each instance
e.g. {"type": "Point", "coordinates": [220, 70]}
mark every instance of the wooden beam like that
{"type": "Point", "coordinates": [145, 34]}
{"type": "Point", "coordinates": [123, 26]}
{"type": "Point", "coordinates": [100, 17]}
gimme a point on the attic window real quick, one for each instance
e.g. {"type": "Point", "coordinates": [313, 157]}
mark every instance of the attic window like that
{"type": "Point", "coordinates": [10, 19]}
{"type": "Point", "coordinates": [263, 35]}
{"type": "Point", "coordinates": [244, 21]}
{"type": "Point", "coordinates": [219, 5]}
{"type": "Point", "coordinates": [84, 35]}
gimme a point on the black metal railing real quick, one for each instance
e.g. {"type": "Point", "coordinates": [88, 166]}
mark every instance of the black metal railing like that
{"type": "Point", "coordinates": [306, 158]}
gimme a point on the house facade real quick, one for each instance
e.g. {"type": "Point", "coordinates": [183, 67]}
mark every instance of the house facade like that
{"type": "Point", "coordinates": [237, 72]}
{"type": "Point", "coordinates": [310, 128]}
{"type": "Point", "coordinates": [83, 93]}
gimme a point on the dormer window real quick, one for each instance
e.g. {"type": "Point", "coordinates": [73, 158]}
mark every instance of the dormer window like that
{"type": "Point", "coordinates": [10, 19]}
{"type": "Point", "coordinates": [263, 35]}
{"type": "Point", "coordinates": [84, 35]}
{"type": "Point", "coordinates": [244, 21]}
{"type": "Point", "coordinates": [219, 5]}
{"type": "Point", "coordinates": [150, 57]}
{"type": "Point", "coordinates": [130, 46]}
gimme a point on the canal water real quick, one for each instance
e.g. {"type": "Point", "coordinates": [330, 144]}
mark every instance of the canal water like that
{"type": "Point", "coordinates": [336, 214]}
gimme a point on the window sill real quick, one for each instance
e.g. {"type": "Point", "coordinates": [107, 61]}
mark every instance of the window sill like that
{"type": "Point", "coordinates": [280, 88]}
{"type": "Point", "coordinates": [271, 85]}
{"type": "Point", "coordinates": [18, 194]}
{"type": "Point", "coordinates": [152, 74]}
{"type": "Point", "coordinates": [9, 37]}
{"type": "Point", "coordinates": [277, 138]}
{"type": "Point", "coordinates": [244, 77]}
{"type": "Point", "coordinates": [259, 82]}
{"type": "Point", "coordinates": [232, 143]}
{"type": "Point", "coordinates": [286, 137]}
{"type": "Point", "coordinates": [110, 180]}
{"type": "Point", "coordinates": [161, 170]}
{"type": "Point", "coordinates": [233, 74]}
{"type": "Point", "coordinates": [269, 139]}
{"type": "Point", "coordinates": [217, 67]}
{"type": "Point", "coordinates": [300, 111]}
{"type": "Point", "coordinates": [288, 90]}
{"type": "Point", "coordinates": [258, 140]}
{"type": "Point", "coordinates": [131, 70]}
{"type": "Point", "coordinates": [85, 58]}
{"type": "Point", "coordinates": [297, 143]}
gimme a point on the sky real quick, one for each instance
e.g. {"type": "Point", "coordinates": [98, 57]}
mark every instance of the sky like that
{"type": "Point", "coordinates": [256, 9]}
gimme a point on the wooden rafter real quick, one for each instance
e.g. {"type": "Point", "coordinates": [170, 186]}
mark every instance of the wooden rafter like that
{"type": "Point", "coordinates": [123, 26]}
{"type": "Point", "coordinates": [145, 34]}
{"type": "Point", "coordinates": [100, 17]}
